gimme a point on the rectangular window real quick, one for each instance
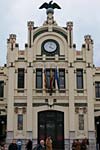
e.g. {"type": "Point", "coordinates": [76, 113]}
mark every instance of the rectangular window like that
{"type": "Point", "coordinates": [1, 88]}
{"type": "Point", "coordinates": [62, 78]}
{"type": "Point", "coordinates": [50, 78]}
{"type": "Point", "coordinates": [39, 82]}
{"type": "Point", "coordinates": [81, 122]}
{"type": "Point", "coordinates": [97, 89]}
{"type": "Point", "coordinates": [20, 122]}
{"type": "Point", "coordinates": [21, 77]}
{"type": "Point", "coordinates": [79, 78]}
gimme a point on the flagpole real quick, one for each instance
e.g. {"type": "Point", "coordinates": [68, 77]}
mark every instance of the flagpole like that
{"type": "Point", "coordinates": [45, 80]}
{"type": "Point", "coordinates": [50, 78]}
{"type": "Point", "coordinates": [57, 78]}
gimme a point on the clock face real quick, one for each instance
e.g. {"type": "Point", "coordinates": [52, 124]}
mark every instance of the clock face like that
{"type": "Point", "coordinates": [50, 46]}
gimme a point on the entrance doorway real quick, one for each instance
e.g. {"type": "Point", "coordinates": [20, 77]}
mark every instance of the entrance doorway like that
{"type": "Point", "coordinates": [3, 125]}
{"type": "Point", "coordinates": [97, 125]}
{"type": "Point", "coordinates": [51, 123]}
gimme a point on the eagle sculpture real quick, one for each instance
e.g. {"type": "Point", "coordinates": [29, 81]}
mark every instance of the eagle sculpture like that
{"type": "Point", "coordinates": [49, 5]}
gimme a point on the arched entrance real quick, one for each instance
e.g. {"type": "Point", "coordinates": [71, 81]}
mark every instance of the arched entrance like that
{"type": "Point", "coordinates": [51, 123]}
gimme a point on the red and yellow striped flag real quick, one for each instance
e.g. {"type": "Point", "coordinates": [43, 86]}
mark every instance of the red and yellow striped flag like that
{"type": "Point", "coordinates": [51, 79]}
{"type": "Point", "coordinates": [45, 78]}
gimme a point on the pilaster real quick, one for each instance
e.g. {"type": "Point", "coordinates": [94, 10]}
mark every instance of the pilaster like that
{"type": "Point", "coordinates": [90, 99]}
{"type": "Point", "coordinates": [92, 140]}
{"type": "Point", "coordinates": [29, 101]}
{"type": "Point", "coordinates": [72, 137]}
{"type": "Point", "coordinates": [71, 100]}
{"type": "Point", "coordinates": [91, 128]}
{"type": "Point", "coordinates": [10, 100]}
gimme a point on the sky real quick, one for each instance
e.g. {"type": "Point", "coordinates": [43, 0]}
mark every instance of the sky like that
{"type": "Point", "coordinates": [14, 15]}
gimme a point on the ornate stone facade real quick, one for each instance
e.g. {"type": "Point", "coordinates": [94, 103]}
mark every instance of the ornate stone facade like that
{"type": "Point", "coordinates": [22, 104]}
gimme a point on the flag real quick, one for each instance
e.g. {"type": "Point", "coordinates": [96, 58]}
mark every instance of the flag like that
{"type": "Point", "coordinates": [57, 78]}
{"type": "Point", "coordinates": [51, 79]}
{"type": "Point", "coordinates": [45, 78]}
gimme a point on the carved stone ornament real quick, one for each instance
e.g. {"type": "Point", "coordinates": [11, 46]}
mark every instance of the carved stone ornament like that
{"type": "Point", "coordinates": [24, 110]}
{"type": "Point", "coordinates": [84, 110]}
{"type": "Point", "coordinates": [50, 5]}
{"type": "Point", "coordinates": [16, 110]}
{"type": "Point", "coordinates": [77, 110]}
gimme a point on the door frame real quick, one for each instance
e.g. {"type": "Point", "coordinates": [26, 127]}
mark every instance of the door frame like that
{"type": "Point", "coordinates": [58, 121]}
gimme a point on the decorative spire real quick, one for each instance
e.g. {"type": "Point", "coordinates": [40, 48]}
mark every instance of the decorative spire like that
{"type": "Point", "coordinates": [50, 11]}
{"type": "Point", "coordinates": [12, 41]}
{"type": "Point", "coordinates": [88, 41]}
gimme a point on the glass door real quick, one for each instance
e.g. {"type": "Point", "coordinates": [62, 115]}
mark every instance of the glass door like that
{"type": "Point", "coordinates": [51, 123]}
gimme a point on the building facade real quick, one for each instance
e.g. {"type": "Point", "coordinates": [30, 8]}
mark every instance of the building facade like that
{"type": "Point", "coordinates": [50, 88]}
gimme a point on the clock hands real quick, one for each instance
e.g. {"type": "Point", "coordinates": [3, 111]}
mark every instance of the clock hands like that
{"type": "Point", "coordinates": [50, 45]}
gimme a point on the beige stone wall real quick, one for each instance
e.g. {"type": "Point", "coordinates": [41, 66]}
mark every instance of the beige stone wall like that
{"type": "Point", "coordinates": [72, 60]}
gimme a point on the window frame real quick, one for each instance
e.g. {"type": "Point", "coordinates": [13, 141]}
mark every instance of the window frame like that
{"type": "Point", "coordinates": [79, 79]}
{"type": "Point", "coordinates": [20, 122]}
{"type": "Point", "coordinates": [41, 78]}
{"type": "Point", "coordinates": [62, 76]}
{"type": "Point", "coordinates": [97, 89]}
{"type": "Point", "coordinates": [1, 88]}
{"type": "Point", "coordinates": [48, 78]}
{"type": "Point", "coordinates": [21, 78]}
{"type": "Point", "coordinates": [81, 122]}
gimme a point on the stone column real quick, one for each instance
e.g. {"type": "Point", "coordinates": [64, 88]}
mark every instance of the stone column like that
{"type": "Point", "coordinates": [10, 108]}
{"type": "Point", "coordinates": [90, 100]}
{"type": "Point", "coordinates": [29, 101]}
{"type": "Point", "coordinates": [71, 105]}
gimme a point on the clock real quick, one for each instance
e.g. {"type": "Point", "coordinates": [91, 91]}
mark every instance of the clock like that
{"type": "Point", "coordinates": [50, 46]}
